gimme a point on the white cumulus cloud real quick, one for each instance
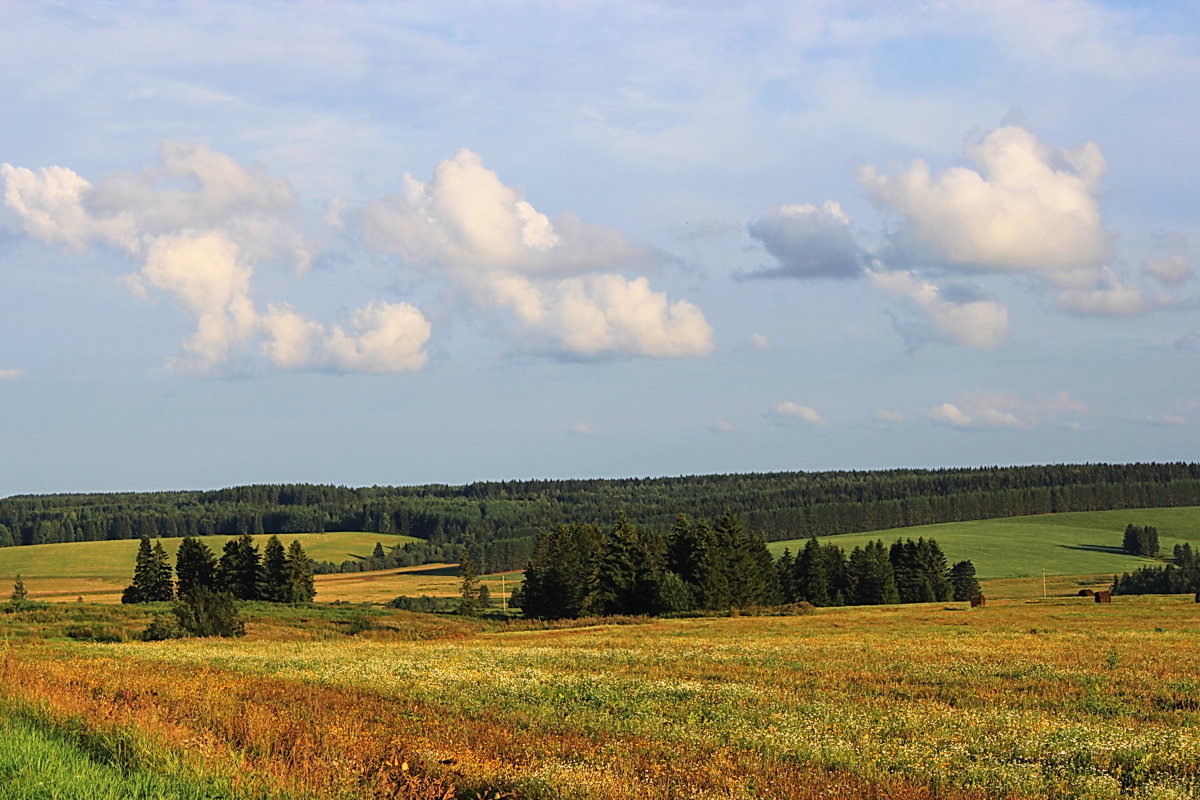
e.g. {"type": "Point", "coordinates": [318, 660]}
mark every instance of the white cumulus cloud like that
{"type": "Point", "coordinates": [557, 278]}
{"type": "Point", "coordinates": [1028, 206]}
{"type": "Point", "coordinates": [383, 337]}
{"type": "Point", "coordinates": [11, 374]}
{"type": "Point", "coordinates": [199, 223]}
{"type": "Point", "coordinates": [607, 313]}
{"type": "Point", "coordinates": [979, 324]}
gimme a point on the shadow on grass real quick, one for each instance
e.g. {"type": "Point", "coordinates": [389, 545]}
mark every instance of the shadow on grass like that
{"type": "Point", "coordinates": [451, 571]}
{"type": "Point", "coordinates": [1096, 548]}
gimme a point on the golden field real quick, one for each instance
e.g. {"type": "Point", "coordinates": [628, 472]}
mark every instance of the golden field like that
{"type": "Point", "coordinates": [1057, 698]}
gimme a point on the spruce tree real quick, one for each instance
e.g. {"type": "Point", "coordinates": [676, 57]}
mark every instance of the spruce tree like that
{"type": "Point", "coordinates": [962, 578]}
{"type": "Point", "coordinates": [274, 586]}
{"type": "Point", "coordinates": [561, 576]}
{"type": "Point", "coordinates": [711, 588]}
{"type": "Point", "coordinates": [811, 579]}
{"type": "Point", "coordinates": [934, 572]}
{"type": "Point", "coordinates": [238, 571]}
{"type": "Point", "coordinates": [837, 574]}
{"type": "Point", "coordinates": [683, 549]}
{"type": "Point", "coordinates": [468, 604]}
{"type": "Point", "coordinates": [161, 586]}
{"type": "Point", "coordinates": [19, 594]}
{"type": "Point", "coordinates": [299, 568]}
{"type": "Point", "coordinates": [910, 583]}
{"type": "Point", "coordinates": [630, 568]}
{"type": "Point", "coordinates": [873, 581]}
{"type": "Point", "coordinates": [195, 565]}
{"type": "Point", "coordinates": [145, 575]}
{"type": "Point", "coordinates": [787, 578]}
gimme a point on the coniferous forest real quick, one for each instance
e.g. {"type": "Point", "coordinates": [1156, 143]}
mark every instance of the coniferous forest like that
{"type": "Point", "coordinates": [499, 521]}
{"type": "Point", "coordinates": [580, 570]}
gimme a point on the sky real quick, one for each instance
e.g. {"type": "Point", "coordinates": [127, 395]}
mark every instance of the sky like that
{"type": "Point", "coordinates": [377, 243]}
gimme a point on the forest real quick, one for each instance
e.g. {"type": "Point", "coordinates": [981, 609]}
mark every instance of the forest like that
{"type": "Point", "coordinates": [499, 521]}
{"type": "Point", "coordinates": [579, 570]}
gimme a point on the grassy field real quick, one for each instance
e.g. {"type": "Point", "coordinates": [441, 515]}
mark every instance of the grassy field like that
{"type": "Point", "coordinates": [432, 580]}
{"type": "Point", "coordinates": [100, 570]}
{"type": "Point", "coordinates": [1077, 543]}
{"type": "Point", "coordinates": [1061, 698]}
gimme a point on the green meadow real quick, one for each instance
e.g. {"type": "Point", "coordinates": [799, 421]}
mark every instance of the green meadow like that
{"type": "Point", "coordinates": [1074, 543]}
{"type": "Point", "coordinates": [91, 569]}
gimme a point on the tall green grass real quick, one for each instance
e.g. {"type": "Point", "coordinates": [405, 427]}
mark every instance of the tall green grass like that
{"type": "Point", "coordinates": [37, 764]}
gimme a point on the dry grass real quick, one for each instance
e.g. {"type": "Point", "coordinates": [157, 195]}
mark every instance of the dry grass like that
{"type": "Point", "coordinates": [1062, 698]}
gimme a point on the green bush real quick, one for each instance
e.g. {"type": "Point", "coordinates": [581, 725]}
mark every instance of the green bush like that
{"type": "Point", "coordinates": [202, 612]}
{"type": "Point", "coordinates": [97, 633]}
{"type": "Point", "coordinates": [163, 626]}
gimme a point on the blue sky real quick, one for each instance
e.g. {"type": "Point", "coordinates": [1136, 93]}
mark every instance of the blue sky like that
{"type": "Point", "coordinates": [377, 243]}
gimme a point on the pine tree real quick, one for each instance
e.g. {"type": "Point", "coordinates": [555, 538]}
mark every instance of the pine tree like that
{"type": "Point", "coordinates": [195, 565]}
{"type": "Point", "coordinates": [378, 552]}
{"type": "Point", "coordinates": [299, 568]}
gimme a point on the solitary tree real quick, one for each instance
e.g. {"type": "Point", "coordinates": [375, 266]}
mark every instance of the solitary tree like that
{"type": "Point", "coordinates": [962, 578]}
{"type": "Point", "coordinates": [468, 604]}
{"type": "Point", "coordinates": [19, 595]}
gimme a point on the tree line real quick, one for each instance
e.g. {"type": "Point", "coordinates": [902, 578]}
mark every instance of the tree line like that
{"type": "Point", "coordinates": [1182, 575]}
{"type": "Point", "coordinates": [499, 522]}
{"type": "Point", "coordinates": [581, 569]}
{"type": "Point", "coordinates": [276, 575]}
{"type": "Point", "coordinates": [906, 572]}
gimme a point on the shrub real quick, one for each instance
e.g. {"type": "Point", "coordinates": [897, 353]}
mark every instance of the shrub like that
{"type": "Point", "coordinates": [163, 626]}
{"type": "Point", "coordinates": [101, 633]}
{"type": "Point", "coordinates": [202, 612]}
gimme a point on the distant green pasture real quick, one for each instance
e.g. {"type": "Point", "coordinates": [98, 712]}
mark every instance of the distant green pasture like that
{"type": "Point", "coordinates": [1072, 543]}
{"type": "Point", "coordinates": [113, 560]}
